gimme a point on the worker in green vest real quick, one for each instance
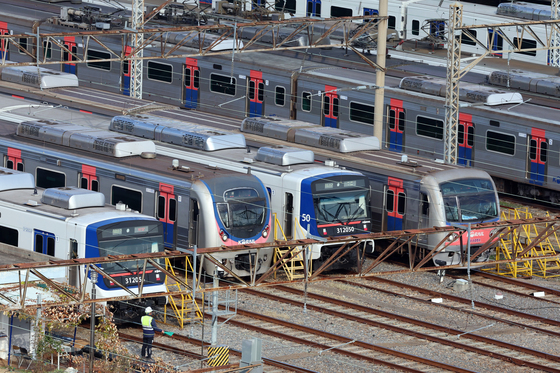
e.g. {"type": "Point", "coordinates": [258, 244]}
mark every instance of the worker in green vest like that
{"type": "Point", "coordinates": [149, 328]}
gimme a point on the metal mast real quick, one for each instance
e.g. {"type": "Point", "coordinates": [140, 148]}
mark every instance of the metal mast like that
{"type": "Point", "coordinates": [137, 63]}
{"type": "Point", "coordinates": [453, 77]}
{"type": "Point", "coordinates": [380, 72]}
{"type": "Point", "coordinates": [555, 37]}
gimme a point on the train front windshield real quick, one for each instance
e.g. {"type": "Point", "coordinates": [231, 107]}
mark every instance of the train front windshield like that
{"type": "Point", "coordinates": [126, 238]}
{"type": "Point", "coordinates": [469, 200]}
{"type": "Point", "coordinates": [244, 212]}
{"type": "Point", "coordinates": [341, 200]}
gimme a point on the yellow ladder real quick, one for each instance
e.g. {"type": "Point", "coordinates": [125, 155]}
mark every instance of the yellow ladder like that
{"type": "Point", "coordinates": [293, 262]}
{"type": "Point", "coordinates": [185, 310]}
{"type": "Point", "coordinates": [547, 268]}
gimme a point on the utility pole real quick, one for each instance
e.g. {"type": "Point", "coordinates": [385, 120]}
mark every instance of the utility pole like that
{"type": "Point", "coordinates": [453, 78]}
{"type": "Point", "coordinates": [380, 73]}
{"type": "Point", "coordinates": [137, 63]}
{"type": "Point", "coordinates": [92, 322]}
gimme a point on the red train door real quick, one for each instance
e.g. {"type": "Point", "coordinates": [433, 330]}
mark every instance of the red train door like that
{"type": "Point", "coordinates": [70, 44]}
{"type": "Point", "coordinates": [14, 160]}
{"type": "Point", "coordinates": [395, 204]}
{"type": "Point", "coordinates": [126, 73]}
{"type": "Point", "coordinates": [191, 79]}
{"type": "Point", "coordinates": [330, 107]}
{"type": "Point", "coordinates": [256, 94]}
{"type": "Point", "coordinates": [166, 212]}
{"type": "Point", "coordinates": [88, 178]}
{"type": "Point", "coordinates": [395, 123]}
{"type": "Point", "coordinates": [537, 157]}
{"type": "Point", "coordinates": [4, 42]}
{"type": "Point", "coordinates": [465, 140]}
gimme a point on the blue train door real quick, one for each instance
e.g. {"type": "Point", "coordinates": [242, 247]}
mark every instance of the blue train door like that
{"type": "Point", "coordinates": [257, 4]}
{"type": "Point", "coordinates": [4, 42]}
{"type": "Point", "coordinates": [126, 73]}
{"type": "Point", "coordinates": [43, 242]}
{"type": "Point", "coordinates": [166, 211]}
{"type": "Point", "coordinates": [256, 94]}
{"type": "Point", "coordinates": [88, 178]}
{"type": "Point", "coordinates": [370, 12]}
{"type": "Point", "coordinates": [14, 160]}
{"type": "Point", "coordinates": [395, 122]}
{"type": "Point", "coordinates": [191, 79]}
{"type": "Point", "coordinates": [313, 8]}
{"type": "Point", "coordinates": [395, 204]}
{"type": "Point", "coordinates": [70, 44]}
{"type": "Point", "coordinates": [537, 157]}
{"type": "Point", "coordinates": [330, 107]}
{"type": "Point", "coordinates": [495, 41]}
{"type": "Point", "coordinates": [465, 140]}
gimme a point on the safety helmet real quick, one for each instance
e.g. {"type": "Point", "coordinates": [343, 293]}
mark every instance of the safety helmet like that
{"type": "Point", "coordinates": [148, 309]}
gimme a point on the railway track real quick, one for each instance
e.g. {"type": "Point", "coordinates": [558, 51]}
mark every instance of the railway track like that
{"type": "Point", "coordinates": [470, 343]}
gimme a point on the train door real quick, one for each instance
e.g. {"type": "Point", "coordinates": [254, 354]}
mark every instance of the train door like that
{"type": "Point", "coordinates": [395, 125]}
{"type": "Point", "coordinates": [395, 204]}
{"type": "Point", "coordinates": [14, 160]}
{"type": "Point", "coordinates": [167, 213]}
{"type": "Point", "coordinates": [330, 107]}
{"type": "Point", "coordinates": [313, 8]}
{"type": "Point", "coordinates": [4, 42]}
{"type": "Point", "coordinates": [495, 41]}
{"type": "Point", "coordinates": [191, 80]}
{"type": "Point", "coordinates": [43, 242]}
{"type": "Point", "coordinates": [193, 226]}
{"type": "Point", "coordinates": [88, 178]}
{"type": "Point", "coordinates": [370, 12]}
{"type": "Point", "coordinates": [255, 94]}
{"type": "Point", "coordinates": [70, 44]}
{"type": "Point", "coordinates": [536, 164]}
{"type": "Point", "coordinates": [126, 73]}
{"type": "Point", "coordinates": [465, 140]}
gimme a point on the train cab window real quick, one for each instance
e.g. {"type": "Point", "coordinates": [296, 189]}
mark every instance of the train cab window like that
{"type": "Point", "coordinates": [9, 236]}
{"type": "Point", "coordinates": [500, 142]}
{"type": "Point", "coordinates": [337, 11]}
{"type": "Point", "coordinates": [391, 23]}
{"type": "Point", "coordinates": [93, 55]}
{"type": "Point", "coordinates": [130, 197]}
{"type": "Point", "coordinates": [223, 84]}
{"type": "Point", "coordinates": [415, 27]}
{"type": "Point", "coordinates": [361, 112]}
{"type": "Point", "coordinates": [280, 95]}
{"type": "Point", "coordinates": [525, 44]}
{"type": "Point", "coordinates": [306, 101]}
{"type": "Point", "coordinates": [47, 48]}
{"type": "Point", "coordinates": [23, 44]}
{"type": "Point", "coordinates": [162, 72]}
{"type": "Point", "coordinates": [390, 201]}
{"type": "Point", "coordinates": [50, 179]}
{"type": "Point", "coordinates": [429, 127]}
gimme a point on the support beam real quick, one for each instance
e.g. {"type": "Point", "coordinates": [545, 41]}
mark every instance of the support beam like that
{"type": "Point", "coordinates": [380, 73]}
{"type": "Point", "coordinates": [137, 63]}
{"type": "Point", "coordinates": [555, 36]}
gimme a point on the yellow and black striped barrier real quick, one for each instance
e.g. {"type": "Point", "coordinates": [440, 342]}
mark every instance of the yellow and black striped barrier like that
{"type": "Point", "coordinates": [218, 356]}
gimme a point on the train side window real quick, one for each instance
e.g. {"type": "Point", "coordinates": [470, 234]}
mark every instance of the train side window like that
{"type": "Point", "coordinates": [544, 147]}
{"type": "Point", "coordinates": [47, 48]}
{"type": "Point", "coordinates": [401, 202]}
{"type": "Point", "coordinates": [401, 120]}
{"type": "Point", "coordinates": [260, 92]}
{"type": "Point", "coordinates": [84, 183]}
{"type": "Point", "coordinates": [495, 123]}
{"type": "Point", "coordinates": [223, 84]}
{"type": "Point", "coordinates": [23, 44]}
{"type": "Point", "coordinates": [390, 200]}
{"type": "Point", "coordinates": [361, 112]}
{"type": "Point", "coordinates": [196, 82]}
{"type": "Point", "coordinates": [172, 209]}
{"type": "Point", "coordinates": [429, 127]}
{"type": "Point", "coordinates": [161, 207]}
{"type": "Point", "coordinates": [500, 142]}
{"type": "Point", "coordinates": [525, 44]}
{"type": "Point", "coordinates": [50, 179]}
{"type": "Point", "coordinates": [187, 77]}
{"type": "Point", "coordinates": [415, 27]}
{"type": "Point", "coordinates": [9, 236]}
{"type": "Point", "coordinates": [280, 95]}
{"type": "Point", "coordinates": [461, 134]}
{"type": "Point", "coordinates": [335, 107]}
{"type": "Point", "coordinates": [465, 39]}
{"type": "Point", "coordinates": [93, 55]}
{"type": "Point", "coordinates": [470, 136]}
{"type": "Point", "coordinates": [425, 204]}
{"type": "Point", "coordinates": [326, 105]}
{"type": "Point", "coordinates": [340, 12]}
{"type": "Point", "coordinates": [251, 90]}
{"type": "Point", "coordinates": [161, 72]}
{"type": "Point", "coordinates": [130, 197]}
{"type": "Point", "coordinates": [391, 23]}
{"type": "Point", "coordinates": [95, 185]}
{"type": "Point", "coordinates": [306, 101]}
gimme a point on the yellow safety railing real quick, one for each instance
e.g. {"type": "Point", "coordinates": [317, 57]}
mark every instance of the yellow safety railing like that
{"type": "Point", "coordinates": [293, 262]}
{"type": "Point", "coordinates": [512, 245]}
{"type": "Point", "coordinates": [185, 310]}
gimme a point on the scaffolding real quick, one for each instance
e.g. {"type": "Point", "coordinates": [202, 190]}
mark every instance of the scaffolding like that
{"type": "Point", "coordinates": [185, 310]}
{"type": "Point", "coordinates": [538, 241]}
{"type": "Point", "coordinates": [292, 260]}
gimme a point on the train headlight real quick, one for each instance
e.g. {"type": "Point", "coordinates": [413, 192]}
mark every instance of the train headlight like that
{"type": "Point", "coordinates": [452, 237]}
{"type": "Point", "coordinates": [494, 231]}
{"type": "Point", "coordinates": [265, 231]}
{"type": "Point", "coordinates": [223, 235]}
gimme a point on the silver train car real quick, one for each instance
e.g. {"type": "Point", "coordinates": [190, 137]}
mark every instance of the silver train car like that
{"type": "Point", "coordinates": [197, 206]}
{"type": "Point", "coordinates": [69, 223]}
{"type": "Point", "coordinates": [38, 77]}
{"type": "Point", "coordinates": [309, 200]}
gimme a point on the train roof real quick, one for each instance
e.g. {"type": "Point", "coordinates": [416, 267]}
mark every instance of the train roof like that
{"type": "Point", "coordinates": [467, 92]}
{"type": "Point", "coordinates": [38, 77]}
{"type": "Point", "coordinates": [527, 81]}
{"type": "Point", "coordinates": [535, 12]}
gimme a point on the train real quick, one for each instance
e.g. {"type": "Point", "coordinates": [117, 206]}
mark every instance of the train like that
{"type": "Point", "coordinates": [198, 206]}
{"type": "Point", "coordinates": [69, 223]}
